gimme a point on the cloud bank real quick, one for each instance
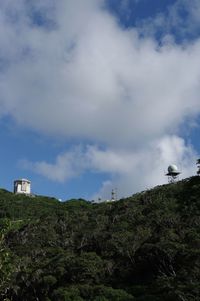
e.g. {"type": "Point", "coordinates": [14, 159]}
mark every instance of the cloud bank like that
{"type": "Point", "coordinates": [68, 69]}
{"type": "Point", "coordinates": [128, 170]}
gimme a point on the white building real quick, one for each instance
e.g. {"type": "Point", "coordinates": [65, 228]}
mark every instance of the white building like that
{"type": "Point", "coordinates": [22, 186]}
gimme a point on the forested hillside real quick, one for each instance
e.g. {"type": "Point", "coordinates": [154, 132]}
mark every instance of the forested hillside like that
{"type": "Point", "coordinates": [143, 248]}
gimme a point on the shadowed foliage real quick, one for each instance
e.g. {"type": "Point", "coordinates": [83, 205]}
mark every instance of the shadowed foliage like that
{"type": "Point", "coordinates": [142, 248]}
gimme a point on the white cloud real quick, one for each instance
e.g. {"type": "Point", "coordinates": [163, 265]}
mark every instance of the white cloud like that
{"type": "Point", "coordinates": [129, 171]}
{"type": "Point", "coordinates": [146, 168]}
{"type": "Point", "coordinates": [66, 166]}
{"type": "Point", "coordinates": [181, 19]}
{"type": "Point", "coordinates": [85, 77]}
{"type": "Point", "coordinates": [89, 78]}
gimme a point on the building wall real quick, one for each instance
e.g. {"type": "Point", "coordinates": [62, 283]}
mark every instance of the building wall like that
{"type": "Point", "coordinates": [22, 187]}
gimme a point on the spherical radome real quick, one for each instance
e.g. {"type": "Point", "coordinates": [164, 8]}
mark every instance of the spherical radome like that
{"type": "Point", "coordinates": [172, 168]}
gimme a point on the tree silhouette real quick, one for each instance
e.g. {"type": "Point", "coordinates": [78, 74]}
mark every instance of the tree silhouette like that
{"type": "Point", "coordinates": [198, 166]}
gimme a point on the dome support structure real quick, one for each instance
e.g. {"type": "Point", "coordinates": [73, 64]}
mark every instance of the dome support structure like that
{"type": "Point", "coordinates": [173, 173]}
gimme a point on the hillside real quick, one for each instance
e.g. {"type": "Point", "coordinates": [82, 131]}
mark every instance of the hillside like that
{"type": "Point", "coordinates": [142, 248]}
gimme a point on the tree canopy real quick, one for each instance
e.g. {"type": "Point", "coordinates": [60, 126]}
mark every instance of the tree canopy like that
{"type": "Point", "coordinates": [142, 248]}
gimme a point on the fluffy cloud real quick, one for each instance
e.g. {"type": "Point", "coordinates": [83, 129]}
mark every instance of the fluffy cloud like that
{"type": "Point", "coordinates": [145, 168]}
{"type": "Point", "coordinates": [129, 171]}
{"type": "Point", "coordinates": [67, 165]}
{"type": "Point", "coordinates": [89, 78]}
{"type": "Point", "coordinates": [74, 72]}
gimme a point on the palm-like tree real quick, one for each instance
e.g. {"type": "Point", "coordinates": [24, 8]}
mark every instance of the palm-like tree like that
{"type": "Point", "coordinates": [198, 166]}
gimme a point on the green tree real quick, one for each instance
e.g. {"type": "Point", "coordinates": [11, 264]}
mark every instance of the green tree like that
{"type": "Point", "coordinates": [198, 166]}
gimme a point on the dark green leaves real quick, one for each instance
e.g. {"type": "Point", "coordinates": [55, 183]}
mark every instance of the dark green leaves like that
{"type": "Point", "coordinates": [142, 248]}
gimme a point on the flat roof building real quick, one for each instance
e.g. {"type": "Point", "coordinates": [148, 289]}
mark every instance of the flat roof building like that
{"type": "Point", "coordinates": [22, 186]}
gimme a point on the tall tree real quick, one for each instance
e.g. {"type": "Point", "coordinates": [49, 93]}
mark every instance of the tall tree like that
{"type": "Point", "coordinates": [198, 166]}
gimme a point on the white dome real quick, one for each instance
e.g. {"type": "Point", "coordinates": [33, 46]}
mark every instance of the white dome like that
{"type": "Point", "coordinates": [172, 168]}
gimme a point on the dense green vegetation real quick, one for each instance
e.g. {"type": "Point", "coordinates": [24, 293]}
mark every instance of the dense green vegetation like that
{"type": "Point", "coordinates": [143, 248]}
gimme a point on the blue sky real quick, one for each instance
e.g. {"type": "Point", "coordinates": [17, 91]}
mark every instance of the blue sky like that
{"type": "Point", "coordinates": [98, 94]}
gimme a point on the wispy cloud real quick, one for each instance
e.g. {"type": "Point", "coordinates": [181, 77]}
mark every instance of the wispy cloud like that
{"type": "Point", "coordinates": [181, 22]}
